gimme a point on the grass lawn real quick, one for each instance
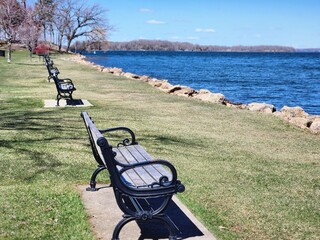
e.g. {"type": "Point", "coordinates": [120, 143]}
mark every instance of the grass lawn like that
{"type": "Point", "coordinates": [248, 175]}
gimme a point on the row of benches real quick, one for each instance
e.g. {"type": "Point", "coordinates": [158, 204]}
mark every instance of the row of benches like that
{"type": "Point", "coordinates": [143, 186]}
{"type": "Point", "coordinates": [65, 86]}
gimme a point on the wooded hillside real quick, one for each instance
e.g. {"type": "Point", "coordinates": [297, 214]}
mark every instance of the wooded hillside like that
{"type": "Point", "coordinates": [161, 45]}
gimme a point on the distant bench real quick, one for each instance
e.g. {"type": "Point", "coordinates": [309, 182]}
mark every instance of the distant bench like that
{"type": "Point", "coordinates": [52, 70]}
{"type": "Point", "coordinates": [65, 86]}
{"type": "Point", "coordinates": [143, 186]}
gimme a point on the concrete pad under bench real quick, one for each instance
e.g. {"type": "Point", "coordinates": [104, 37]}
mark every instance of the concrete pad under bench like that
{"type": "Point", "coordinates": [104, 214]}
{"type": "Point", "coordinates": [67, 103]}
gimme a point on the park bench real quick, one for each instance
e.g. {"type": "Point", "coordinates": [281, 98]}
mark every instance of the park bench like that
{"type": "Point", "coordinates": [52, 70]}
{"type": "Point", "coordinates": [143, 186]}
{"type": "Point", "coordinates": [65, 88]}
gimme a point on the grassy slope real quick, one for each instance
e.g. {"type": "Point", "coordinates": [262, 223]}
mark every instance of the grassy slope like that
{"type": "Point", "coordinates": [248, 175]}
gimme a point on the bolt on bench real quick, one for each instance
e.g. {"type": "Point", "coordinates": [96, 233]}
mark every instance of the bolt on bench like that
{"type": "Point", "coordinates": [143, 186]}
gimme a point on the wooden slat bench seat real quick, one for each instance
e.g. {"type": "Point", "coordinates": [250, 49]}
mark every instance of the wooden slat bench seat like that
{"type": "Point", "coordinates": [143, 186]}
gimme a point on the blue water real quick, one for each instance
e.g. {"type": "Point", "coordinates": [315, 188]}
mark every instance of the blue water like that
{"type": "Point", "coordinates": [281, 79]}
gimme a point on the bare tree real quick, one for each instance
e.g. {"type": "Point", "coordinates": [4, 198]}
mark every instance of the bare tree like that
{"type": "Point", "coordinates": [76, 19]}
{"type": "Point", "coordinates": [45, 10]}
{"type": "Point", "coordinates": [61, 20]}
{"type": "Point", "coordinates": [12, 14]}
{"type": "Point", "coordinates": [30, 30]}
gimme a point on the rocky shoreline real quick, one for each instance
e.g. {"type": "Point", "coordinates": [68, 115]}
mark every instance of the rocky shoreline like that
{"type": "Point", "coordinates": [293, 115]}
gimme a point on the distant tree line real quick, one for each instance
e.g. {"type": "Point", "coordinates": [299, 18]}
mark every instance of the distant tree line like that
{"type": "Point", "coordinates": [161, 45]}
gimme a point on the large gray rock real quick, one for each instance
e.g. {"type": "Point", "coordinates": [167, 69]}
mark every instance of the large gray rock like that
{"type": "Point", "coordinates": [184, 91]}
{"type": "Point", "coordinates": [315, 126]}
{"type": "Point", "coordinates": [131, 75]}
{"type": "Point", "coordinates": [207, 96]}
{"type": "Point", "coordinates": [290, 112]}
{"type": "Point", "coordinates": [262, 107]}
{"type": "Point", "coordinates": [301, 122]}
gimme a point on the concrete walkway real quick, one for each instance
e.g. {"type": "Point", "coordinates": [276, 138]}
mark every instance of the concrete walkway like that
{"type": "Point", "coordinates": [67, 103]}
{"type": "Point", "coordinates": [104, 214]}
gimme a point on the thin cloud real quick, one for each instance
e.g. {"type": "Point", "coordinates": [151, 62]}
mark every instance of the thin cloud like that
{"type": "Point", "coordinates": [155, 22]}
{"type": "Point", "coordinates": [205, 30]}
{"type": "Point", "coordinates": [192, 38]}
{"type": "Point", "coordinates": [145, 10]}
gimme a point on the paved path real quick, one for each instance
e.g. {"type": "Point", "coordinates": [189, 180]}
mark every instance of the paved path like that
{"type": "Point", "coordinates": [104, 214]}
{"type": "Point", "coordinates": [67, 103]}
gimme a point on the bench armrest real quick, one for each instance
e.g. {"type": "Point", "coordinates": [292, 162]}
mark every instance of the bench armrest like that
{"type": "Point", "coordinates": [126, 141]}
{"type": "Point", "coordinates": [163, 181]}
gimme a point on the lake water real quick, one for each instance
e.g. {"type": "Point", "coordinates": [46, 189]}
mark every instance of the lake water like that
{"type": "Point", "coordinates": [281, 79]}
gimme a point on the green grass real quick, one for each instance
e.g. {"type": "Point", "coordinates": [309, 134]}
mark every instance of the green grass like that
{"type": "Point", "coordinates": [248, 175]}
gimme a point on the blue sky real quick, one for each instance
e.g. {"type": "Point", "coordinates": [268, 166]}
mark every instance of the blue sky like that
{"type": "Point", "coordinates": [293, 23]}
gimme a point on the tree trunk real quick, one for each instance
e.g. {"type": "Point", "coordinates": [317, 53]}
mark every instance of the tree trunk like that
{"type": "Point", "coordinates": [9, 51]}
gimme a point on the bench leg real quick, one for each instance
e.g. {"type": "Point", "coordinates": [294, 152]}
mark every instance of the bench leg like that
{"type": "Point", "coordinates": [58, 99]}
{"type": "Point", "coordinates": [120, 225]}
{"type": "Point", "coordinates": [170, 226]}
{"type": "Point", "coordinates": [93, 179]}
{"type": "Point", "coordinates": [163, 218]}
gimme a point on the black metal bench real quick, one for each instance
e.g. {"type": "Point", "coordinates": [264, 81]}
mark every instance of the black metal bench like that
{"type": "Point", "coordinates": [65, 88]}
{"type": "Point", "coordinates": [143, 186]}
{"type": "Point", "coordinates": [52, 70]}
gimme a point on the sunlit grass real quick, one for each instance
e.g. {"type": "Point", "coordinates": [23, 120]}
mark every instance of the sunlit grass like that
{"type": "Point", "coordinates": [248, 175]}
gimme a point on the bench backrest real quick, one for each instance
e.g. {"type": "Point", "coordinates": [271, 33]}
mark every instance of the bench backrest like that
{"type": "Point", "coordinates": [88, 121]}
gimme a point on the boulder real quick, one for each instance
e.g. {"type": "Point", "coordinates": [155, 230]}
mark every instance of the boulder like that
{"type": "Point", "coordinates": [113, 70]}
{"type": "Point", "coordinates": [262, 107]}
{"type": "Point", "coordinates": [99, 67]}
{"type": "Point", "coordinates": [174, 88]}
{"type": "Point", "coordinates": [301, 122]}
{"type": "Point", "coordinates": [165, 86]}
{"type": "Point", "coordinates": [290, 112]}
{"type": "Point", "coordinates": [207, 96]}
{"type": "Point", "coordinates": [145, 78]}
{"type": "Point", "coordinates": [315, 126]}
{"type": "Point", "coordinates": [156, 82]}
{"type": "Point", "coordinates": [235, 105]}
{"type": "Point", "coordinates": [131, 75]}
{"type": "Point", "coordinates": [184, 91]}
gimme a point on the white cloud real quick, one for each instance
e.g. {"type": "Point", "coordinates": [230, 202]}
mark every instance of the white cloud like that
{"type": "Point", "coordinates": [145, 10]}
{"type": "Point", "coordinates": [155, 22]}
{"type": "Point", "coordinates": [205, 30]}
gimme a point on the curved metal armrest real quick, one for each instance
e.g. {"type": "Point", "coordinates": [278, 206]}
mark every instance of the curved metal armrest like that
{"type": "Point", "coordinates": [163, 183]}
{"type": "Point", "coordinates": [126, 167]}
{"type": "Point", "coordinates": [126, 141]}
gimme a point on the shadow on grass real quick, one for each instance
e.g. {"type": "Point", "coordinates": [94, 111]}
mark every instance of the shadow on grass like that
{"type": "Point", "coordinates": [34, 143]}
